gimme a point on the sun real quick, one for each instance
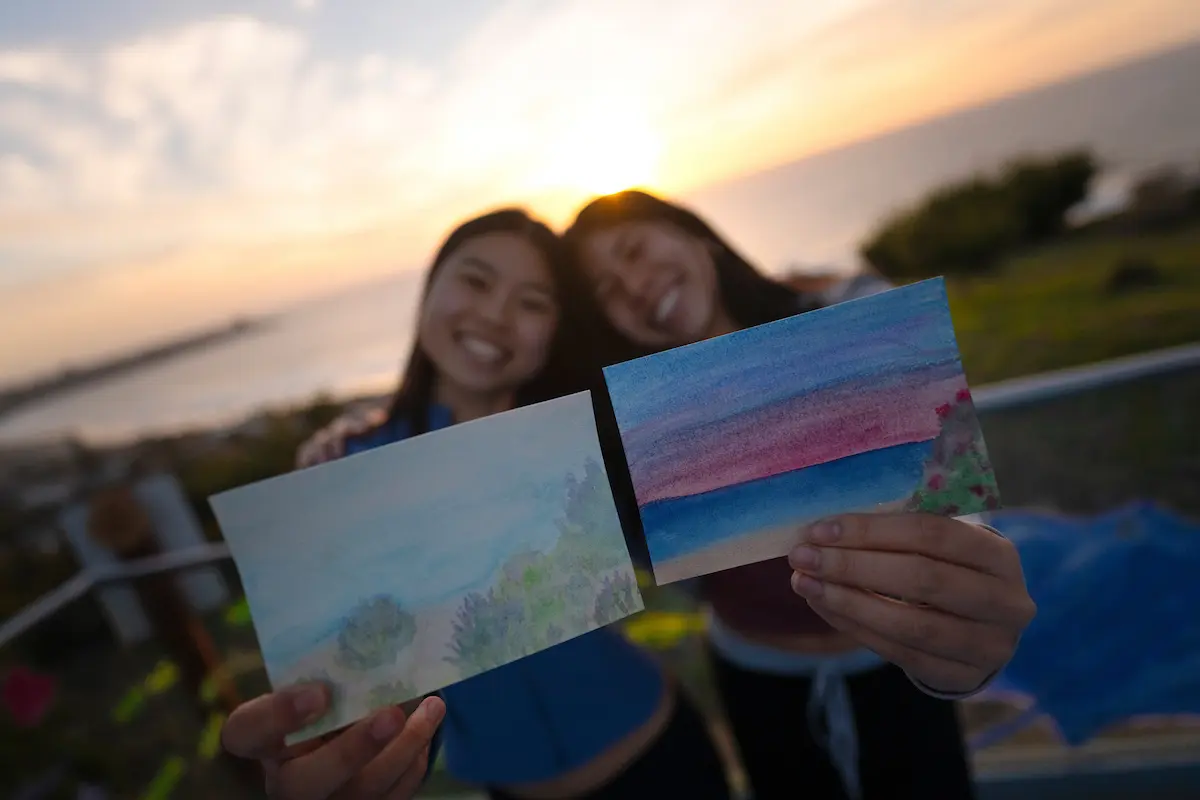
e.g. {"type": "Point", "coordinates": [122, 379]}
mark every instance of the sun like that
{"type": "Point", "coordinates": [602, 151]}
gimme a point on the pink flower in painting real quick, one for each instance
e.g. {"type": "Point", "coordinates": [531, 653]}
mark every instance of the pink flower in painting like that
{"type": "Point", "coordinates": [27, 696]}
{"type": "Point", "coordinates": [943, 410]}
{"type": "Point", "coordinates": [937, 482]}
{"type": "Point", "coordinates": [963, 395]}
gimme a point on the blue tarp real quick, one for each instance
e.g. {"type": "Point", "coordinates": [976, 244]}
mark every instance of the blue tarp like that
{"type": "Point", "coordinates": [1117, 633]}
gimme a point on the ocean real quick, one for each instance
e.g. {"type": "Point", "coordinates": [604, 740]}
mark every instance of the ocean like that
{"type": "Point", "coordinates": [811, 212]}
{"type": "Point", "coordinates": [684, 525]}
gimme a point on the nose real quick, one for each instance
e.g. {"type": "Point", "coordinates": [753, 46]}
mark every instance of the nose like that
{"type": "Point", "coordinates": [494, 307]}
{"type": "Point", "coordinates": [634, 283]}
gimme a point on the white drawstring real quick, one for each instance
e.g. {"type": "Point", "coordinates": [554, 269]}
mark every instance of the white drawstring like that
{"type": "Point", "coordinates": [830, 713]}
{"type": "Point", "coordinates": [831, 720]}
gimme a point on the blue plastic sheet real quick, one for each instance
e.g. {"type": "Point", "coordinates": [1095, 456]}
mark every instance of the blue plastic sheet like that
{"type": "Point", "coordinates": [1117, 634]}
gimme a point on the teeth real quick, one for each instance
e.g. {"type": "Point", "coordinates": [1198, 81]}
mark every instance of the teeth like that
{"type": "Point", "coordinates": [666, 306]}
{"type": "Point", "coordinates": [484, 351]}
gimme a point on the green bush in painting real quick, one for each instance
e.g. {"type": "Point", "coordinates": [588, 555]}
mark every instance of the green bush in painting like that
{"type": "Point", "coordinates": [486, 630]}
{"type": "Point", "coordinates": [616, 599]}
{"type": "Point", "coordinates": [541, 598]}
{"type": "Point", "coordinates": [958, 477]}
{"type": "Point", "coordinates": [374, 633]}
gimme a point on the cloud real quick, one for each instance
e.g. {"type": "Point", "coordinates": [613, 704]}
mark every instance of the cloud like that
{"type": "Point", "coordinates": [232, 148]}
{"type": "Point", "coordinates": [226, 139]}
{"type": "Point", "coordinates": [41, 69]}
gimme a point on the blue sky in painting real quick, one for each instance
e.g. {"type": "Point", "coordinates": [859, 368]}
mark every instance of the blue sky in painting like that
{"type": "Point", "coordinates": [886, 334]}
{"type": "Point", "coordinates": [425, 520]}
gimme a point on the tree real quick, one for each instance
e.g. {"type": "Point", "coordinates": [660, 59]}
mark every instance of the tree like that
{"type": "Point", "coordinates": [1043, 191]}
{"type": "Point", "coordinates": [968, 225]}
{"type": "Point", "coordinates": [374, 633]}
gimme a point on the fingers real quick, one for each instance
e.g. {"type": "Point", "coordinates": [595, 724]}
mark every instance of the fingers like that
{"type": "Point", "coordinates": [331, 768]}
{"type": "Point", "coordinates": [916, 579]}
{"type": "Point", "coordinates": [329, 443]}
{"type": "Point", "coordinates": [975, 644]}
{"type": "Point", "coordinates": [401, 758]}
{"type": "Point", "coordinates": [256, 729]}
{"type": "Point", "coordinates": [937, 537]}
{"type": "Point", "coordinates": [325, 445]}
{"type": "Point", "coordinates": [938, 673]}
{"type": "Point", "coordinates": [408, 786]}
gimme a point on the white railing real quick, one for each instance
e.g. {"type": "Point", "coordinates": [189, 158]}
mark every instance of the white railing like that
{"type": "Point", "coordinates": [993, 397]}
{"type": "Point", "coordinates": [1063, 382]}
{"type": "Point", "coordinates": [85, 581]}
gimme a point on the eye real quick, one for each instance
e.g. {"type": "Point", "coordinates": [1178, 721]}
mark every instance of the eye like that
{"type": "Point", "coordinates": [536, 304]}
{"type": "Point", "coordinates": [474, 280]}
{"type": "Point", "coordinates": [630, 249]}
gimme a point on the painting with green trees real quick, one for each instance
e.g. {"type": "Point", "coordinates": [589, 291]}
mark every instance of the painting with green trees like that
{"type": "Point", "coordinates": [396, 572]}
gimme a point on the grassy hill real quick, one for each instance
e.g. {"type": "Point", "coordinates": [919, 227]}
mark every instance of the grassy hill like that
{"type": "Point", "coordinates": [1052, 307]}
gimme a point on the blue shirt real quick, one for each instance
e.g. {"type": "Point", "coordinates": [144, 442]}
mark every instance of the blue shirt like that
{"type": "Point", "coordinates": [541, 716]}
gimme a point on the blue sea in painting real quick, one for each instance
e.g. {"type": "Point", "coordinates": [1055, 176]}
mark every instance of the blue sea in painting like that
{"type": "Point", "coordinates": [684, 525]}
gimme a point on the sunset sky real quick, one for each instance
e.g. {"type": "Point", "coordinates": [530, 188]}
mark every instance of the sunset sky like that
{"type": "Point", "coordinates": [163, 166]}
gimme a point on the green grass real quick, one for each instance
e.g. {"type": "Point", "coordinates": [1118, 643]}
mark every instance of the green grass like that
{"type": "Point", "coordinates": [1049, 309]}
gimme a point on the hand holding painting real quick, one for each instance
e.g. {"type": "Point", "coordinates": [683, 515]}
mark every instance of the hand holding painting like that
{"type": "Point", "coordinates": [867, 410]}
{"type": "Point", "coordinates": [329, 442]}
{"type": "Point", "coordinates": [384, 755]}
{"type": "Point", "coordinates": [964, 600]}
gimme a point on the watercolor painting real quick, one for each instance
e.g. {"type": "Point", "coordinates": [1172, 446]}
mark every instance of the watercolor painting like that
{"type": "Point", "coordinates": [735, 441]}
{"type": "Point", "coordinates": [395, 572]}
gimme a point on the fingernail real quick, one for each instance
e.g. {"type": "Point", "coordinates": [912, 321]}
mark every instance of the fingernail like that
{"type": "Point", "coordinates": [826, 532]}
{"type": "Point", "coordinates": [805, 558]}
{"type": "Point", "coordinates": [806, 586]}
{"type": "Point", "coordinates": [431, 711]}
{"type": "Point", "coordinates": [384, 726]}
{"type": "Point", "coordinates": [309, 702]}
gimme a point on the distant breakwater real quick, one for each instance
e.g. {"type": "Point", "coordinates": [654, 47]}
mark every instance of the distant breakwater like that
{"type": "Point", "coordinates": [69, 380]}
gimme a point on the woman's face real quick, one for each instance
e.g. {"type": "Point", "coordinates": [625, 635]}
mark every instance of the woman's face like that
{"type": "Point", "coordinates": [656, 283]}
{"type": "Point", "coordinates": [490, 314]}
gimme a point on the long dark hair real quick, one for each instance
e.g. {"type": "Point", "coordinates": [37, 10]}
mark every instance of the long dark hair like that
{"type": "Point", "coordinates": [751, 297]}
{"type": "Point", "coordinates": [569, 362]}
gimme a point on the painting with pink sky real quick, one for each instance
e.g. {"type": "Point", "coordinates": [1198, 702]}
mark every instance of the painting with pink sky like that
{"type": "Point", "coordinates": [735, 442]}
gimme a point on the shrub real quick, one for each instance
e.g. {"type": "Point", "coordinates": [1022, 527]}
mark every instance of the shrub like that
{"type": "Point", "coordinates": [374, 634]}
{"type": "Point", "coordinates": [617, 598]}
{"type": "Point", "coordinates": [542, 598]}
{"type": "Point", "coordinates": [958, 477]}
{"type": "Point", "coordinates": [1130, 274]}
{"type": "Point", "coordinates": [969, 225]}
{"type": "Point", "coordinates": [488, 632]}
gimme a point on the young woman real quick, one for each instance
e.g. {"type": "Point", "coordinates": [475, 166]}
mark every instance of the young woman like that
{"type": "Point", "coordinates": [593, 717]}
{"type": "Point", "coordinates": [832, 689]}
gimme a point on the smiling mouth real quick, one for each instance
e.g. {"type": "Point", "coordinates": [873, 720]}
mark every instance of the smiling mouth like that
{"type": "Point", "coordinates": [481, 350]}
{"type": "Point", "coordinates": [666, 305]}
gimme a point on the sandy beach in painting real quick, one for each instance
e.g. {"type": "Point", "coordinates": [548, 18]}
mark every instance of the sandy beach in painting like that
{"type": "Point", "coordinates": [420, 667]}
{"type": "Point", "coordinates": [748, 548]}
